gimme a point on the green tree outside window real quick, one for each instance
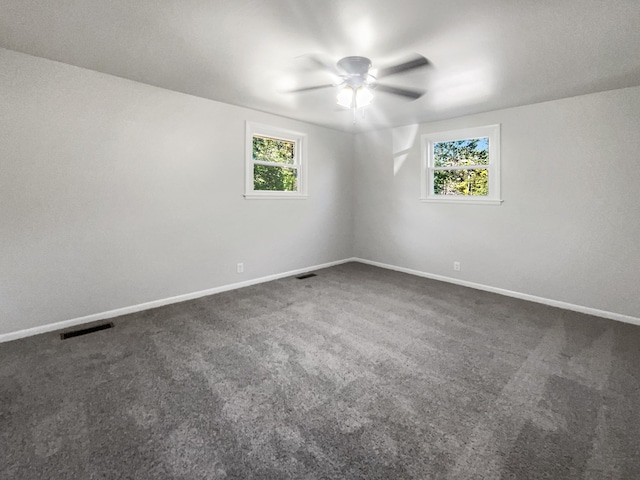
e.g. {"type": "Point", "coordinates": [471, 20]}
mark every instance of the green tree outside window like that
{"type": "Point", "coordinates": [274, 168]}
{"type": "Point", "coordinates": [452, 160]}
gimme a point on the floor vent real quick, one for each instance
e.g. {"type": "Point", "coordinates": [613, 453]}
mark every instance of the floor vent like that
{"type": "Point", "coordinates": [85, 331]}
{"type": "Point", "coordinates": [306, 275]}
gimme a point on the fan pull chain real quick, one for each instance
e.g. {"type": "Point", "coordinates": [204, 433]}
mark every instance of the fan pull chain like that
{"type": "Point", "coordinates": [355, 112]}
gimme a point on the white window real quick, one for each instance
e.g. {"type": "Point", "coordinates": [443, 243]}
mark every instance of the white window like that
{"type": "Point", "coordinates": [276, 162]}
{"type": "Point", "coordinates": [462, 166]}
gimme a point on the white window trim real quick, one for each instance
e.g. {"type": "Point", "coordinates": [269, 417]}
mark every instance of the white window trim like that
{"type": "Point", "coordinates": [427, 165]}
{"type": "Point", "coordinates": [300, 161]}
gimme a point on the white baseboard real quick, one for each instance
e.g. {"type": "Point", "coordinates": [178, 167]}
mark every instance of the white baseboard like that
{"type": "Point", "coordinates": [501, 291]}
{"type": "Point", "coordinates": [6, 337]}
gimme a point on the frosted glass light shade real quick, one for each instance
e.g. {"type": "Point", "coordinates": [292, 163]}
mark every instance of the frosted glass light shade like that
{"type": "Point", "coordinates": [345, 96]}
{"type": "Point", "coordinates": [363, 97]}
{"type": "Point", "coordinates": [354, 98]}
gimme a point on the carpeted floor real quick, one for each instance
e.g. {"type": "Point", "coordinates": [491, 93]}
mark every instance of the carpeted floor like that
{"type": "Point", "coordinates": [357, 373]}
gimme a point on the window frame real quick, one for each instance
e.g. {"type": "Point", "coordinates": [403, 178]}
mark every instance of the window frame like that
{"type": "Point", "coordinates": [428, 165]}
{"type": "Point", "coordinates": [299, 140]}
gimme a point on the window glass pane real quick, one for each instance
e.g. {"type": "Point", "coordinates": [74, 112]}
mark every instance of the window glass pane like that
{"type": "Point", "coordinates": [267, 177]}
{"type": "Point", "coordinates": [274, 150]}
{"type": "Point", "coordinates": [474, 151]}
{"type": "Point", "coordinates": [461, 182]}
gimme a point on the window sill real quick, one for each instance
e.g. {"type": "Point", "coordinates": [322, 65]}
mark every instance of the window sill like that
{"type": "Point", "coordinates": [275, 196]}
{"type": "Point", "coordinates": [463, 201]}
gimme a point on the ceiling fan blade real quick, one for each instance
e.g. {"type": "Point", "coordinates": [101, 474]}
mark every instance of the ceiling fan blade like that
{"type": "Point", "coordinates": [308, 89]}
{"type": "Point", "coordinates": [314, 61]}
{"type": "Point", "coordinates": [404, 92]}
{"type": "Point", "coordinates": [417, 62]}
{"type": "Point", "coordinates": [321, 62]}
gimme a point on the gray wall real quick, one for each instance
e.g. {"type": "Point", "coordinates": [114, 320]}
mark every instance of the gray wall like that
{"type": "Point", "coordinates": [569, 227]}
{"type": "Point", "coordinates": [114, 193]}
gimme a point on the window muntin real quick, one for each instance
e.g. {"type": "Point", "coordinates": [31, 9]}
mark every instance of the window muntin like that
{"type": "Point", "coordinates": [462, 165]}
{"type": "Point", "coordinates": [275, 163]}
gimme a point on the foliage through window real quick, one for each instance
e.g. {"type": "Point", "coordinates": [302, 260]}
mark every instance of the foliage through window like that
{"type": "Point", "coordinates": [273, 165]}
{"type": "Point", "coordinates": [275, 162]}
{"type": "Point", "coordinates": [462, 165]}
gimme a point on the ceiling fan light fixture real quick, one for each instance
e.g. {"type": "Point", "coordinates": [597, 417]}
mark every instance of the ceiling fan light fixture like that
{"type": "Point", "coordinates": [358, 97]}
{"type": "Point", "coordinates": [345, 96]}
{"type": "Point", "coordinates": [364, 96]}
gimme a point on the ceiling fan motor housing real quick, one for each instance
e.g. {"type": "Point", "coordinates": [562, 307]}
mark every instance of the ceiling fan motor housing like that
{"type": "Point", "coordinates": [355, 65]}
{"type": "Point", "coordinates": [356, 71]}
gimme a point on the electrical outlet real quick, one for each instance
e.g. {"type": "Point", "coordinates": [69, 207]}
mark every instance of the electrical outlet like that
{"type": "Point", "coordinates": [456, 266]}
{"type": "Point", "coordinates": [240, 268]}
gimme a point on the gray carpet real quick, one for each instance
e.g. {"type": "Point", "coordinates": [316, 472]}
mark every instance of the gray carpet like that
{"type": "Point", "coordinates": [358, 373]}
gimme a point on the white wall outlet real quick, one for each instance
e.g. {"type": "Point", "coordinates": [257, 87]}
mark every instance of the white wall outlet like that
{"type": "Point", "coordinates": [456, 266]}
{"type": "Point", "coordinates": [240, 268]}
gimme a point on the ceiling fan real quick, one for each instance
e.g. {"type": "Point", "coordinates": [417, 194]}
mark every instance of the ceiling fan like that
{"type": "Point", "coordinates": [359, 81]}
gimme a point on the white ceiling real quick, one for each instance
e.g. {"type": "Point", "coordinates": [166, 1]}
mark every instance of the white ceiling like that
{"type": "Point", "coordinates": [486, 54]}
